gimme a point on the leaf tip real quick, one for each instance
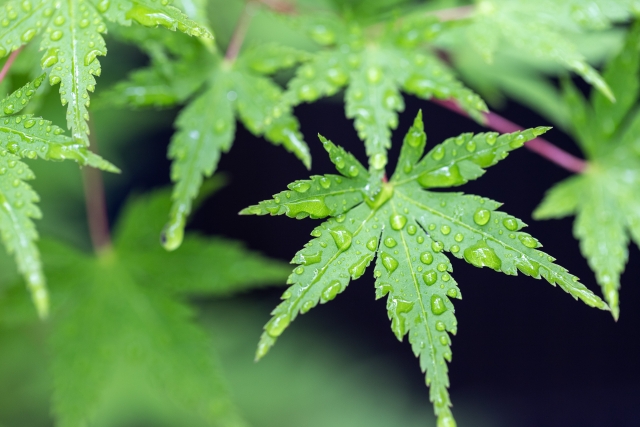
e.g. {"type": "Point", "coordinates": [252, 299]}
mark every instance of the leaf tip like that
{"type": "Point", "coordinates": [537, 131]}
{"type": "Point", "coordinates": [251, 210]}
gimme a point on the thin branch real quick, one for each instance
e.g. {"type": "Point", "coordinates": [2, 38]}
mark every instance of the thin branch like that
{"type": "Point", "coordinates": [240, 31]}
{"type": "Point", "coordinates": [96, 204]}
{"type": "Point", "coordinates": [454, 13]}
{"type": "Point", "coordinates": [538, 145]}
{"type": "Point", "coordinates": [280, 6]}
{"type": "Point", "coordinates": [9, 63]}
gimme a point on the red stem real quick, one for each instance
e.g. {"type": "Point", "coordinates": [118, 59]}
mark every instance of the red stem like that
{"type": "Point", "coordinates": [240, 31]}
{"type": "Point", "coordinates": [538, 145]}
{"type": "Point", "coordinates": [95, 203]}
{"type": "Point", "coordinates": [9, 63]}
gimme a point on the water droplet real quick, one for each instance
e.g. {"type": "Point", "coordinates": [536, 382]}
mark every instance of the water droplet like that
{"type": "Point", "coordinates": [443, 340]}
{"type": "Point", "coordinates": [437, 246]}
{"type": "Point", "coordinates": [481, 255]}
{"type": "Point", "coordinates": [437, 305]}
{"type": "Point", "coordinates": [299, 270]}
{"type": "Point", "coordinates": [471, 146]}
{"type": "Point", "coordinates": [26, 5]}
{"type": "Point", "coordinates": [445, 229]}
{"type": "Point", "coordinates": [390, 242]}
{"type": "Point", "coordinates": [426, 258]}
{"type": "Point", "coordinates": [341, 237]}
{"type": "Point", "coordinates": [420, 239]}
{"type": "Point", "coordinates": [357, 269]}
{"type": "Point", "coordinates": [446, 176]}
{"type": "Point", "coordinates": [482, 216]}
{"type": "Point", "coordinates": [528, 267]}
{"type": "Point", "coordinates": [322, 35]}
{"type": "Point", "coordinates": [337, 76]}
{"type": "Point", "coordinates": [9, 109]}
{"type": "Point", "coordinates": [28, 35]}
{"type": "Point", "coordinates": [372, 244]}
{"type": "Point", "coordinates": [378, 161]}
{"type": "Point", "coordinates": [307, 93]}
{"type": "Point", "coordinates": [518, 141]}
{"type": "Point", "coordinates": [491, 138]}
{"type": "Point", "coordinates": [442, 267]}
{"type": "Point", "coordinates": [353, 171]}
{"type": "Point", "coordinates": [29, 123]}
{"type": "Point", "coordinates": [455, 249]}
{"type": "Point", "coordinates": [325, 182]}
{"type": "Point", "coordinates": [308, 305]}
{"type": "Point", "coordinates": [16, 182]}
{"type": "Point", "coordinates": [398, 222]}
{"type": "Point", "coordinates": [430, 277]}
{"type": "Point", "coordinates": [13, 148]}
{"type": "Point", "coordinates": [309, 259]}
{"type": "Point", "coordinates": [316, 233]}
{"type": "Point", "coordinates": [528, 241]}
{"type": "Point", "coordinates": [438, 152]}
{"type": "Point", "coordinates": [374, 75]}
{"type": "Point", "coordinates": [510, 223]}
{"type": "Point", "coordinates": [300, 186]}
{"type": "Point", "coordinates": [453, 293]}
{"type": "Point", "coordinates": [277, 325]}
{"type": "Point", "coordinates": [440, 326]}
{"type": "Point", "coordinates": [56, 35]}
{"type": "Point", "coordinates": [84, 23]}
{"type": "Point", "coordinates": [446, 420]}
{"type": "Point", "coordinates": [91, 56]}
{"type": "Point", "coordinates": [389, 262]}
{"type": "Point", "coordinates": [412, 229]}
{"type": "Point", "coordinates": [331, 291]}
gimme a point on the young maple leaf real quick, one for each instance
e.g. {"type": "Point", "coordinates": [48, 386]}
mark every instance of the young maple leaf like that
{"type": "Point", "coordinates": [409, 230]}
{"type": "Point", "coordinates": [122, 315]}
{"type": "Point", "coordinates": [31, 137]}
{"type": "Point", "coordinates": [375, 66]}
{"type": "Point", "coordinates": [604, 197]}
{"type": "Point", "coordinates": [543, 28]}
{"type": "Point", "coordinates": [221, 90]}
{"type": "Point", "coordinates": [72, 41]}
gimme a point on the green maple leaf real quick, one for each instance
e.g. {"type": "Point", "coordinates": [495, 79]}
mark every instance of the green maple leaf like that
{"type": "Point", "coordinates": [31, 137]}
{"type": "Point", "coordinates": [227, 90]}
{"type": "Point", "coordinates": [542, 29]}
{"type": "Point", "coordinates": [375, 64]}
{"type": "Point", "coordinates": [122, 315]}
{"type": "Point", "coordinates": [72, 40]}
{"type": "Point", "coordinates": [409, 229]}
{"type": "Point", "coordinates": [603, 197]}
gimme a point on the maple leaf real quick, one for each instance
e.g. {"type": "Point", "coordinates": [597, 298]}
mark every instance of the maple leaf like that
{"type": "Point", "coordinates": [409, 229]}
{"type": "Point", "coordinates": [603, 197]}
{"type": "Point", "coordinates": [542, 29]}
{"type": "Point", "coordinates": [31, 137]}
{"type": "Point", "coordinates": [72, 40]}
{"type": "Point", "coordinates": [122, 315]}
{"type": "Point", "coordinates": [374, 66]}
{"type": "Point", "coordinates": [221, 91]}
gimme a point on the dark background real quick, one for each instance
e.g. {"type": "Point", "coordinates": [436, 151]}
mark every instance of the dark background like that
{"type": "Point", "coordinates": [524, 349]}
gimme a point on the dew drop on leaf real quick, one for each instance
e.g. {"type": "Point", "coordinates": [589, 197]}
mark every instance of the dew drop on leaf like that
{"type": "Point", "coordinates": [482, 216]}
{"type": "Point", "coordinates": [331, 291]}
{"type": "Point", "coordinates": [390, 242]}
{"type": "Point", "coordinates": [437, 305]}
{"type": "Point", "coordinates": [277, 325]}
{"type": "Point", "coordinates": [426, 258]}
{"type": "Point", "coordinates": [430, 277]}
{"type": "Point", "coordinates": [389, 262]}
{"type": "Point", "coordinates": [398, 222]}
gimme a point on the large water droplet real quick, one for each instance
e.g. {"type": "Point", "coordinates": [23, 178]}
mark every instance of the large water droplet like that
{"type": "Point", "coordinates": [438, 152]}
{"type": "Point", "coordinates": [308, 305]}
{"type": "Point", "coordinates": [372, 244]}
{"type": "Point", "coordinates": [337, 76]}
{"type": "Point", "coordinates": [440, 326]}
{"type": "Point", "coordinates": [482, 216]}
{"type": "Point", "coordinates": [389, 262]}
{"type": "Point", "coordinates": [426, 258]}
{"type": "Point", "coordinates": [510, 223]}
{"type": "Point", "coordinates": [9, 109]}
{"type": "Point", "coordinates": [357, 269]}
{"type": "Point", "coordinates": [309, 259]}
{"type": "Point", "coordinates": [390, 242]}
{"type": "Point", "coordinates": [28, 35]}
{"type": "Point", "coordinates": [56, 35]}
{"type": "Point", "coordinates": [453, 293]}
{"type": "Point", "coordinates": [331, 291]}
{"type": "Point", "coordinates": [528, 241]}
{"type": "Point", "coordinates": [445, 229]}
{"type": "Point", "coordinates": [437, 246]}
{"type": "Point", "coordinates": [374, 74]}
{"type": "Point", "coordinates": [437, 305]}
{"type": "Point", "coordinates": [398, 221]}
{"type": "Point", "coordinates": [300, 186]}
{"type": "Point", "coordinates": [91, 56]}
{"type": "Point", "coordinates": [446, 176]}
{"type": "Point", "coordinates": [412, 229]}
{"type": "Point", "coordinates": [430, 277]}
{"type": "Point", "coordinates": [341, 237]}
{"type": "Point", "coordinates": [528, 267]}
{"type": "Point", "coordinates": [277, 325]}
{"type": "Point", "coordinates": [325, 182]}
{"type": "Point", "coordinates": [481, 255]}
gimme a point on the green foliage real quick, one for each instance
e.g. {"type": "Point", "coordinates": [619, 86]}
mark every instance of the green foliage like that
{"type": "Point", "coordinates": [119, 319]}
{"type": "Point", "coordinates": [603, 197]}
{"type": "Point", "coordinates": [374, 64]}
{"type": "Point", "coordinates": [26, 136]}
{"type": "Point", "coordinates": [408, 230]}
{"type": "Point", "coordinates": [72, 41]}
